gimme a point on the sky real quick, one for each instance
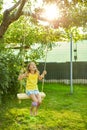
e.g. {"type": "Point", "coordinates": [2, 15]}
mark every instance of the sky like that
{"type": "Point", "coordinates": [9, 3]}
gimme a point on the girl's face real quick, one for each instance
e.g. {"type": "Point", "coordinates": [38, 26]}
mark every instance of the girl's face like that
{"type": "Point", "coordinates": [32, 66]}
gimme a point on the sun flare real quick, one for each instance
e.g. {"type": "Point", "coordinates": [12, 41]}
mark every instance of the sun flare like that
{"type": "Point", "coordinates": [51, 12]}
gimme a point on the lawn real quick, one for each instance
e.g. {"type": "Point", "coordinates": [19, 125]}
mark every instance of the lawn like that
{"type": "Point", "coordinates": [60, 110]}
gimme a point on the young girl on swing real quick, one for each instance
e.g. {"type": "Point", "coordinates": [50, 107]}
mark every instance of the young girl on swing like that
{"type": "Point", "coordinates": [32, 91]}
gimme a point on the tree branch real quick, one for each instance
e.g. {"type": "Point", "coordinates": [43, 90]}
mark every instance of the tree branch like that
{"type": "Point", "coordinates": [9, 17]}
{"type": "Point", "coordinates": [14, 6]}
{"type": "Point", "coordinates": [35, 16]}
{"type": "Point", "coordinates": [18, 13]}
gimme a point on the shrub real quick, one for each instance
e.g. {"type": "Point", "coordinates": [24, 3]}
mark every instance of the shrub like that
{"type": "Point", "coordinates": [9, 70]}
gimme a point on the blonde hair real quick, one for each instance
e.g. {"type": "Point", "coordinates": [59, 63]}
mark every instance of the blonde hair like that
{"type": "Point", "coordinates": [28, 66]}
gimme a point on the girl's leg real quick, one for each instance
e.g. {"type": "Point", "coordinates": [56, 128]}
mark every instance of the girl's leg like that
{"type": "Point", "coordinates": [39, 101]}
{"type": "Point", "coordinates": [34, 104]}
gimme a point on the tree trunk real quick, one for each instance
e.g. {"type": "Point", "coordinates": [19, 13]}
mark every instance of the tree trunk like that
{"type": "Point", "coordinates": [9, 16]}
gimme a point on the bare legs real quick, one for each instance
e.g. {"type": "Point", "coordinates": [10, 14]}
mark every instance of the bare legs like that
{"type": "Point", "coordinates": [36, 101]}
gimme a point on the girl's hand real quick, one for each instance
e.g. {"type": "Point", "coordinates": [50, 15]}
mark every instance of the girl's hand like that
{"type": "Point", "coordinates": [20, 77]}
{"type": "Point", "coordinates": [44, 72]}
{"type": "Point", "coordinates": [42, 75]}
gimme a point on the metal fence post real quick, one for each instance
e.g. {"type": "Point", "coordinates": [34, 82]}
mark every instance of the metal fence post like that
{"type": "Point", "coordinates": [71, 66]}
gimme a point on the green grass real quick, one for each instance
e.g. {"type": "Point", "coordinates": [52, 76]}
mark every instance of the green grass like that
{"type": "Point", "coordinates": [60, 110]}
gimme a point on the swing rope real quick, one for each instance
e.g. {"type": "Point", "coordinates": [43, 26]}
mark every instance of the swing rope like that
{"type": "Point", "coordinates": [44, 67]}
{"type": "Point", "coordinates": [22, 54]}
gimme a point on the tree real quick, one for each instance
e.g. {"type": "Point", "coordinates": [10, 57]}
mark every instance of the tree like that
{"type": "Point", "coordinates": [16, 28]}
{"type": "Point", "coordinates": [9, 16]}
{"type": "Point", "coordinates": [72, 14]}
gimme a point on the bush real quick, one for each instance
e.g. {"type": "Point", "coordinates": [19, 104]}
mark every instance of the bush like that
{"type": "Point", "coordinates": [9, 70]}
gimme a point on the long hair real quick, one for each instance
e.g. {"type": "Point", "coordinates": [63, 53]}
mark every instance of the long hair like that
{"type": "Point", "coordinates": [28, 66]}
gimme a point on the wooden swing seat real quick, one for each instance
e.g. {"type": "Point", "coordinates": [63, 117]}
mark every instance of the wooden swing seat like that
{"type": "Point", "coordinates": [21, 96]}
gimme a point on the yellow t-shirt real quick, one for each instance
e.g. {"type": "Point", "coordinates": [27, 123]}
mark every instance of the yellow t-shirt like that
{"type": "Point", "coordinates": [32, 80]}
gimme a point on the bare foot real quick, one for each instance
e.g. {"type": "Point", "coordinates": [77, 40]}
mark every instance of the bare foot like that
{"type": "Point", "coordinates": [31, 114]}
{"type": "Point", "coordinates": [35, 113]}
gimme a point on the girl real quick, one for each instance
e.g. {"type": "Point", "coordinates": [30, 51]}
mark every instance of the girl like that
{"type": "Point", "coordinates": [32, 76]}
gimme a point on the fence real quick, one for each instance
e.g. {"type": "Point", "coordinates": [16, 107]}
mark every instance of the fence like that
{"type": "Point", "coordinates": [60, 72]}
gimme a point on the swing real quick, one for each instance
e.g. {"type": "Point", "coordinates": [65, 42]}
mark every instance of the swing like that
{"type": "Point", "coordinates": [21, 96]}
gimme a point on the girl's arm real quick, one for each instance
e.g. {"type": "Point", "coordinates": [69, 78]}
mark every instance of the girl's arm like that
{"type": "Point", "coordinates": [42, 75]}
{"type": "Point", "coordinates": [22, 76]}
